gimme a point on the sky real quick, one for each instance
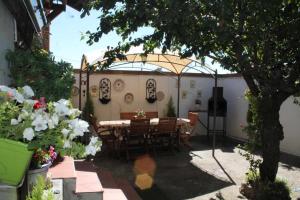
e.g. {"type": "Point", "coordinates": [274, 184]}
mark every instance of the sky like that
{"type": "Point", "coordinates": [65, 37]}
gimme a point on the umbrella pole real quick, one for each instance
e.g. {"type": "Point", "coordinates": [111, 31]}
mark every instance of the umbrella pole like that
{"type": "Point", "coordinates": [215, 113]}
{"type": "Point", "coordinates": [178, 94]}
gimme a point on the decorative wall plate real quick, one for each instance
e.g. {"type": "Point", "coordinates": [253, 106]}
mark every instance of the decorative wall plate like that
{"type": "Point", "coordinates": [160, 95]}
{"type": "Point", "coordinates": [93, 90]}
{"type": "Point", "coordinates": [75, 91]}
{"type": "Point", "coordinates": [119, 85]}
{"type": "Point", "coordinates": [128, 98]}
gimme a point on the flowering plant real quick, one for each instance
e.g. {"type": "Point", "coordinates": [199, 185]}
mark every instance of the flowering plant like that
{"type": "Point", "coordinates": [140, 113]}
{"type": "Point", "coordinates": [42, 125]}
{"type": "Point", "coordinates": [42, 157]}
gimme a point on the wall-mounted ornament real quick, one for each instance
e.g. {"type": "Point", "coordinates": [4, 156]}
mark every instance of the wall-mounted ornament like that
{"type": "Point", "coordinates": [104, 91]}
{"type": "Point", "coordinates": [184, 94]}
{"type": "Point", "coordinates": [192, 83]}
{"type": "Point", "coordinates": [119, 85]}
{"type": "Point", "coordinates": [160, 95]}
{"type": "Point", "coordinates": [93, 90]}
{"type": "Point", "coordinates": [151, 91]}
{"type": "Point", "coordinates": [75, 91]}
{"type": "Point", "coordinates": [128, 98]}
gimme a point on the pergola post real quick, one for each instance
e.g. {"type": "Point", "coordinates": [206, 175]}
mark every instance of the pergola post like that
{"type": "Point", "coordinates": [80, 80]}
{"type": "Point", "coordinates": [215, 113]}
{"type": "Point", "coordinates": [87, 82]}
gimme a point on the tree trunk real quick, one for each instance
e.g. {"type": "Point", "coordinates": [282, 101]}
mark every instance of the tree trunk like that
{"type": "Point", "coordinates": [271, 134]}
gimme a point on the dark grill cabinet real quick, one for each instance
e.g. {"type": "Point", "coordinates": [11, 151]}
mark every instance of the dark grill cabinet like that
{"type": "Point", "coordinates": [221, 110]}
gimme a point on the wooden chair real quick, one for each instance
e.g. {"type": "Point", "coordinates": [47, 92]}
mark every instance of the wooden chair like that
{"type": "Point", "coordinates": [107, 136]}
{"type": "Point", "coordinates": [136, 135]}
{"type": "Point", "coordinates": [188, 129]}
{"type": "Point", "coordinates": [127, 115]}
{"type": "Point", "coordinates": [151, 114]}
{"type": "Point", "coordinates": [165, 133]}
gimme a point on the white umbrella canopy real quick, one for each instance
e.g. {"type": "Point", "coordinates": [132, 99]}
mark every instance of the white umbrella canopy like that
{"type": "Point", "coordinates": [169, 60]}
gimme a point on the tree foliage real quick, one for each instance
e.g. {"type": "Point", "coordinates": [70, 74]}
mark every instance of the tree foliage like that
{"type": "Point", "coordinates": [257, 38]}
{"type": "Point", "coordinates": [38, 69]}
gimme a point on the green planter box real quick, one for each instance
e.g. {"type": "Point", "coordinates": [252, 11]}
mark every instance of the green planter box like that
{"type": "Point", "coordinates": [14, 161]}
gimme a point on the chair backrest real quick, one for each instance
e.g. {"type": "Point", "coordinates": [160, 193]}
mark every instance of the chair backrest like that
{"type": "Point", "coordinates": [139, 126]}
{"type": "Point", "coordinates": [151, 114]}
{"type": "Point", "coordinates": [167, 125]}
{"type": "Point", "coordinates": [127, 115]}
{"type": "Point", "coordinates": [193, 117]}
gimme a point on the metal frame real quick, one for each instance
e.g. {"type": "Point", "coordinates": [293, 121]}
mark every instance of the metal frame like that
{"type": "Point", "coordinates": [213, 73]}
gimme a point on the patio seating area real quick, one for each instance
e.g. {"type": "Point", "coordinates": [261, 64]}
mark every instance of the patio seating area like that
{"type": "Point", "coordinates": [119, 136]}
{"type": "Point", "coordinates": [149, 100]}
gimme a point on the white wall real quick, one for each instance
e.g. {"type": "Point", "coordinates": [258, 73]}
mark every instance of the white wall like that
{"type": "Point", "coordinates": [135, 84]}
{"type": "Point", "coordinates": [289, 119]}
{"type": "Point", "coordinates": [234, 88]}
{"type": "Point", "coordinates": [6, 41]}
{"type": "Point", "coordinates": [237, 106]}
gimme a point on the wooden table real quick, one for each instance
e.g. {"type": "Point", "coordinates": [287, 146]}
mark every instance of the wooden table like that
{"type": "Point", "coordinates": [126, 123]}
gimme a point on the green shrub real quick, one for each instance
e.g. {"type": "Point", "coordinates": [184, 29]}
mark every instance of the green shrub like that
{"type": "Point", "coordinates": [37, 68]}
{"type": "Point", "coordinates": [171, 108]}
{"type": "Point", "coordinates": [77, 151]}
{"type": "Point", "coordinates": [41, 191]}
{"type": "Point", "coordinates": [278, 190]}
{"type": "Point", "coordinates": [88, 110]}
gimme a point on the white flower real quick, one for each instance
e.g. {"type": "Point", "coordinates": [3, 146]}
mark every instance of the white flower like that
{"type": "Point", "coordinates": [4, 88]}
{"type": "Point", "coordinates": [90, 150]}
{"type": "Point", "coordinates": [64, 101]}
{"type": "Point", "coordinates": [67, 144]}
{"type": "Point", "coordinates": [75, 112]}
{"type": "Point", "coordinates": [23, 115]}
{"type": "Point", "coordinates": [28, 134]}
{"type": "Point", "coordinates": [53, 121]}
{"type": "Point", "coordinates": [93, 140]}
{"type": "Point", "coordinates": [27, 92]}
{"type": "Point", "coordinates": [39, 123]}
{"type": "Point", "coordinates": [78, 126]}
{"type": "Point", "coordinates": [73, 135]}
{"type": "Point", "coordinates": [18, 97]}
{"type": "Point", "coordinates": [51, 124]}
{"type": "Point", "coordinates": [14, 122]}
{"type": "Point", "coordinates": [65, 132]}
{"type": "Point", "coordinates": [61, 109]}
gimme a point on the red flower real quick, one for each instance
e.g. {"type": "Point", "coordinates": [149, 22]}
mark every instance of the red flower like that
{"type": "Point", "coordinates": [41, 103]}
{"type": "Point", "coordinates": [37, 105]}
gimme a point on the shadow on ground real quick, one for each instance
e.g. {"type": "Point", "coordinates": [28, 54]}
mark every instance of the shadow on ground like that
{"type": "Point", "coordinates": [175, 177]}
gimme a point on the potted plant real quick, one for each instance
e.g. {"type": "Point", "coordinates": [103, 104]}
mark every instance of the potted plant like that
{"type": "Point", "coordinates": [39, 127]}
{"type": "Point", "coordinates": [40, 163]}
{"type": "Point", "coordinates": [140, 114]}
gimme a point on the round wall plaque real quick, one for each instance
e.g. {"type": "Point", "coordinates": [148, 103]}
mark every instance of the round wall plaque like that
{"type": "Point", "coordinates": [75, 91]}
{"type": "Point", "coordinates": [160, 95]}
{"type": "Point", "coordinates": [119, 85]}
{"type": "Point", "coordinates": [128, 98]}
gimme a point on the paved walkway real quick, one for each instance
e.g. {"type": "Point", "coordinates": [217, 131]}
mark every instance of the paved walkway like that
{"type": "Point", "coordinates": [194, 174]}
